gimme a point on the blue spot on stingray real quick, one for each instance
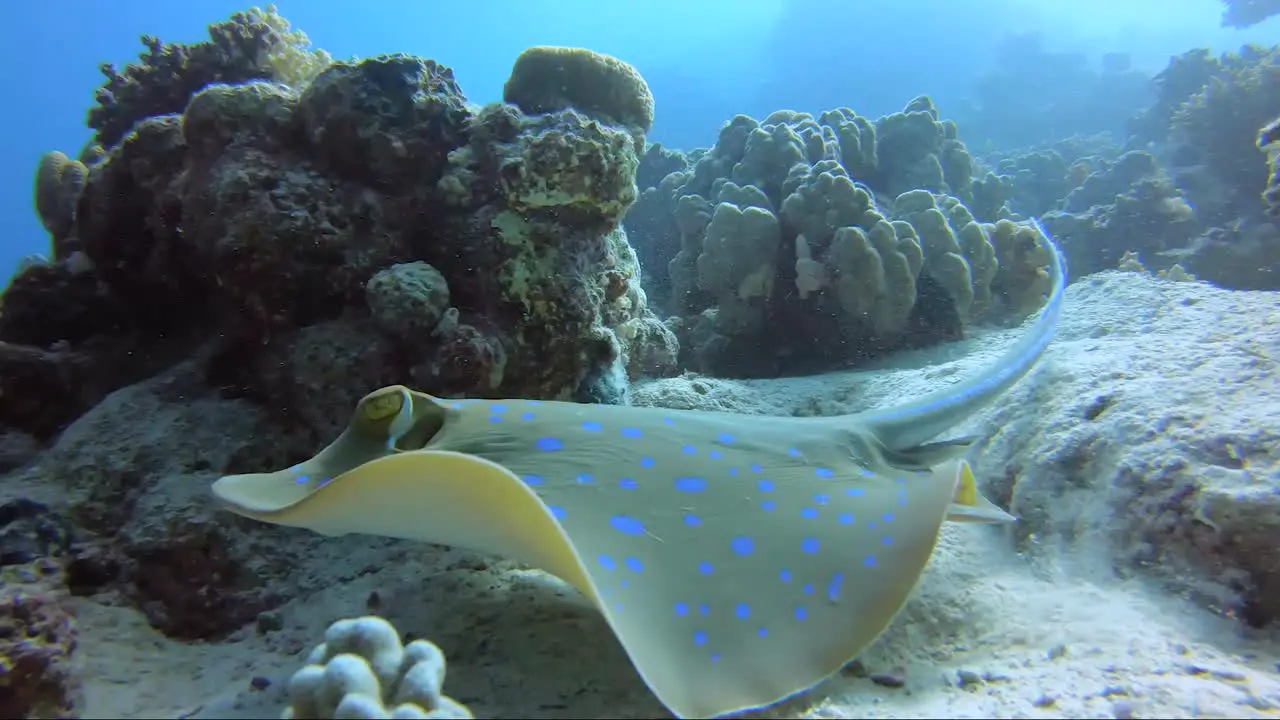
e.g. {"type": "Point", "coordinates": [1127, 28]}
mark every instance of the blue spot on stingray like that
{"type": "Point", "coordinates": [668, 421]}
{"type": "Point", "coordinates": [699, 638]}
{"type": "Point", "coordinates": [845, 519]}
{"type": "Point", "coordinates": [810, 546]}
{"type": "Point", "coordinates": [715, 658]}
{"type": "Point", "coordinates": [495, 419]}
{"type": "Point", "coordinates": [742, 611]}
{"type": "Point", "coordinates": [757, 469]}
{"type": "Point", "coordinates": [607, 563]}
{"type": "Point", "coordinates": [764, 486]}
{"type": "Point", "coordinates": [872, 525]}
{"type": "Point", "coordinates": [833, 589]}
{"type": "Point", "coordinates": [634, 565]}
{"type": "Point", "coordinates": [809, 513]}
{"type": "Point", "coordinates": [549, 444]}
{"type": "Point", "coordinates": [682, 609]}
{"type": "Point", "coordinates": [689, 450]}
{"type": "Point", "coordinates": [627, 525]}
{"type": "Point", "coordinates": [733, 472]}
{"type": "Point", "coordinates": [802, 614]}
{"type": "Point", "coordinates": [768, 505]}
{"type": "Point", "coordinates": [627, 484]}
{"type": "Point", "coordinates": [725, 439]}
{"type": "Point", "coordinates": [793, 452]}
{"type": "Point", "coordinates": [855, 492]}
{"type": "Point", "coordinates": [632, 433]}
{"type": "Point", "coordinates": [646, 462]}
{"type": "Point", "coordinates": [807, 589]}
{"type": "Point", "coordinates": [526, 417]}
{"type": "Point", "coordinates": [824, 473]}
{"type": "Point", "coordinates": [785, 576]}
{"type": "Point", "coordinates": [692, 520]}
{"type": "Point", "coordinates": [585, 479]}
{"type": "Point", "coordinates": [691, 484]}
{"type": "Point", "coordinates": [533, 480]}
{"type": "Point", "coordinates": [821, 499]}
{"type": "Point", "coordinates": [886, 541]}
{"type": "Point", "coordinates": [706, 568]}
{"type": "Point", "coordinates": [497, 409]}
{"type": "Point", "coordinates": [557, 512]}
{"type": "Point", "coordinates": [592, 426]}
{"type": "Point", "coordinates": [870, 561]}
{"type": "Point", "coordinates": [324, 482]}
{"type": "Point", "coordinates": [302, 479]}
{"type": "Point", "coordinates": [900, 481]}
{"type": "Point", "coordinates": [456, 406]}
{"type": "Point", "coordinates": [704, 610]}
{"type": "Point", "coordinates": [742, 545]}
{"type": "Point", "coordinates": [715, 455]}
{"type": "Point", "coordinates": [888, 517]}
{"type": "Point", "coordinates": [762, 632]}
{"type": "Point", "coordinates": [866, 473]}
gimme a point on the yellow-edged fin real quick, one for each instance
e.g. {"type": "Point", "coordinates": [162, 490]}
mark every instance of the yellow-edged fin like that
{"type": "Point", "coordinates": [970, 505]}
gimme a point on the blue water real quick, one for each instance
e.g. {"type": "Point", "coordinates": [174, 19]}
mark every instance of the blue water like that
{"type": "Point", "coordinates": [705, 60]}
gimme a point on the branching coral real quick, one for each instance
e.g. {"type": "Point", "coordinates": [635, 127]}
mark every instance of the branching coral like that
{"type": "Point", "coordinates": [252, 45]}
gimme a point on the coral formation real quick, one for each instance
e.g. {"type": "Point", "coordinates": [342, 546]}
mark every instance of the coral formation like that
{"type": "Point", "coordinates": [1129, 205]}
{"type": "Point", "coordinates": [361, 670]}
{"type": "Point", "coordinates": [38, 636]}
{"type": "Point", "coordinates": [267, 209]}
{"type": "Point", "coordinates": [59, 181]}
{"type": "Point", "coordinates": [547, 79]}
{"type": "Point", "coordinates": [251, 45]}
{"type": "Point", "coordinates": [788, 258]}
{"type": "Point", "coordinates": [1215, 131]}
{"type": "Point", "coordinates": [1269, 143]}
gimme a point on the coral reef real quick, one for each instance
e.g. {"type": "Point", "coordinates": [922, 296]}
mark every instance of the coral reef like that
{"type": "Point", "coordinates": [1215, 133]}
{"type": "Point", "coordinates": [269, 215]}
{"type": "Point", "coordinates": [1129, 205]}
{"type": "Point", "coordinates": [788, 257]}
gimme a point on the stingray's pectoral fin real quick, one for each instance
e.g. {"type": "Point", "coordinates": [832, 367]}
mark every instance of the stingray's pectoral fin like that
{"type": "Point", "coordinates": [383, 422]}
{"type": "Point", "coordinates": [923, 457]}
{"type": "Point", "coordinates": [969, 504]}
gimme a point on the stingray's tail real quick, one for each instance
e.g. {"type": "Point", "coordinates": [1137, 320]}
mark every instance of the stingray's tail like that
{"type": "Point", "coordinates": [910, 425]}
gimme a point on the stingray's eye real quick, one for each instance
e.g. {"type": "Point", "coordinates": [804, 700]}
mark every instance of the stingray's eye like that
{"type": "Point", "coordinates": [383, 406]}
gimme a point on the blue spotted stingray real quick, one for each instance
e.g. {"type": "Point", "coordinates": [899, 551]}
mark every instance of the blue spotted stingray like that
{"type": "Point", "coordinates": [738, 559]}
